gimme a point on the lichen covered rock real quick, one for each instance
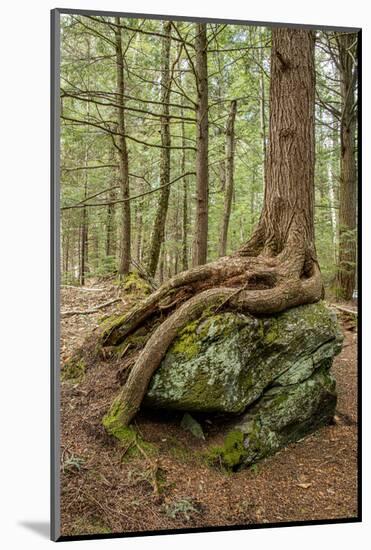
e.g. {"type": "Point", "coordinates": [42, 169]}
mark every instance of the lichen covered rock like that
{"type": "Point", "coordinates": [282, 415]}
{"type": "Point", "coordinates": [224, 362]}
{"type": "Point", "coordinates": [272, 372]}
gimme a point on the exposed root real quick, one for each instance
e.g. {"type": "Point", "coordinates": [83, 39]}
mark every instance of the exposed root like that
{"type": "Point", "coordinates": [227, 271]}
{"type": "Point", "coordinates": [287, 290]}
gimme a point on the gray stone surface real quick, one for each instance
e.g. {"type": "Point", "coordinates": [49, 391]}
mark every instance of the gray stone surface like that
{"type": "Point", "coordinates": [271, 373]}
{"type": "Point", "coordinates": [224, 362]}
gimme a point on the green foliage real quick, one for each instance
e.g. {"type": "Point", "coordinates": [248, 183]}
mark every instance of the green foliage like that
{"type": "Point", "coordinates": [72, 464]}
{"type": "Point", "coordinates": [238, 67]}
{"type": "Point", "coordinates": [183, 509]}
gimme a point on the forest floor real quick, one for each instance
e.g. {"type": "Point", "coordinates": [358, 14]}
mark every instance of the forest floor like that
{"type": "Point", "coordinates": [106, 488]}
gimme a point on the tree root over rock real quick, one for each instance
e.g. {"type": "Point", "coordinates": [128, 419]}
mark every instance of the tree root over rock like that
{"type": "Point", "coordinates": [257, 285]}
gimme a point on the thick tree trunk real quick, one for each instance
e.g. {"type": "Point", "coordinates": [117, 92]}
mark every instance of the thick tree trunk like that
{"type": "Point", "coordinates": [160, 219]}
{"type": "Point", "coordinates": [202, 145]}
{"type": "Point", "coordinates": [346, 274]}
{"type": "Point", "coordinates": [229, 173]}
{"type": "Point", "coordinates": [286, 224]}
{"type": "Point", "coordinates": [263, 131]}
{"type": "Point", "coordinates": [125, 240]}
{"type": "Point", "coordinates": [277, 268]}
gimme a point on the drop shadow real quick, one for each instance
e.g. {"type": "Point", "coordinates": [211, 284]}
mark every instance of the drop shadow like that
{"type": "Point", "coordinates": [41, 528]}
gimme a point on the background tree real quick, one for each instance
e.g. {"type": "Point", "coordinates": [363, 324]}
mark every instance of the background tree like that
{"type": "Point", "coordinates": [346, 274]}
{"type": "Point", "coordinates": [202, 145]}
{"type": "Point", "coordinates": [238, 69]}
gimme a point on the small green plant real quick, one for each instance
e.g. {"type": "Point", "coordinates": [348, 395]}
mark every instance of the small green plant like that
{"type": "Point", "coordinates": [72, 464]}
{"type": "Point", "coordinates": [184, 507]}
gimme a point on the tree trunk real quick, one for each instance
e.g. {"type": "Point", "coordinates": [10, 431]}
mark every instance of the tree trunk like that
{"type": "Point", "coordinates": [346, 273]}
{"type": "Point", "coordinates": [229, 173]}
{"type": "Point", "coordinates": [125, 240]}
{"type": "Point", "coordinates": [202, 139]}
{"type": "Point", "coordinates": [277, 268]}
{"type": "Point", "coordinates": [286, 224]}
{"type": "Point", "coordinates": [262, 114]}
{"type": "Point", "coordinates": [160, 219]}
{"type": "Point", "coordinates": [84, 229]}
{"type": "Point", "coordinates": [184, 204]}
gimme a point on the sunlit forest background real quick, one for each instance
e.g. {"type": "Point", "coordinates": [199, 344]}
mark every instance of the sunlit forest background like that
{"type": "Point", "coordinates": [98, 119]}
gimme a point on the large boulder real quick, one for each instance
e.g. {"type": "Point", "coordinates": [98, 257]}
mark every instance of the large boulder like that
{"type": "Point", "coordinates": [274, 370]}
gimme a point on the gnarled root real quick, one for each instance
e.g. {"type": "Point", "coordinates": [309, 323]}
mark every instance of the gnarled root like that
{"type": "Point", "coordinates": [225, 271]}
{"type": "Point", "coordinates": [290, 290]}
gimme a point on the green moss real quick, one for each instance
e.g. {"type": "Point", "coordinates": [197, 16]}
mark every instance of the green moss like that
{"type": "Point", "coordinates": [133, 341]}
{"type": "Point", "coordinates": [134, 283]}
{"type": "Point", "coordinates": [273, 332]}
{"type": "Point", "coordinates": [188, 341]}
{"type": "Point", "coordinates": [231, 454]}
{"type": "Point", "coordinates": [73, 370]}
{"type": "Point", "coordinates": [127, 435]}
{"type": "Point", "coordinates": [113, 423]}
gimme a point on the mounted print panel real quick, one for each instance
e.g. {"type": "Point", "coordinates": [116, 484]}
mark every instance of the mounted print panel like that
{"type": "Point", "coordinates": [205, 365]}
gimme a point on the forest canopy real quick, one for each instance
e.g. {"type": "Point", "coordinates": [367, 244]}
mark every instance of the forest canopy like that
{"type": "Point", "coordinates": [131, 122]}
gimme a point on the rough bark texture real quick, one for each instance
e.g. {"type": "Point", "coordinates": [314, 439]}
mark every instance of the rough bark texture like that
{"type": "Point", "coordinates": [276, 270]}
{"type": "Point", "coordinates": [202, 144]}
{"type": "Point", "coordinates": [125, 241]}
{"type": "Point", "coordinates": [287, 220]}
{"type": "Point", "coordinates": [229, 172]}
{"type": "Point", "coordinates": [160, 219]}
{"type": "Point", "coordinates": [346, 274]}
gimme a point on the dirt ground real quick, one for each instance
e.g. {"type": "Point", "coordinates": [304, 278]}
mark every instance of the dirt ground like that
{"type": "Point", "coordinates": [106, 488]}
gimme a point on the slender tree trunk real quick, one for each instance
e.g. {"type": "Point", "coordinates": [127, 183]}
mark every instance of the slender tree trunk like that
{"type": "Point", "coordinates": [184, 205]}
{"type": "Point", "coordinates": [161, 264]}
{"type": "Point", "coordinates": [110, 225]}
{"type": "Point", "coordinates": [84, 228]}
{"type": "Point", "coordinates": [125, 240]}
{"type": "Point", "coordinates": [160, 219]}
{"type": "Point", "coordinates": [110, 247]}
{"type": "Point", "coordinates": [67, 253]}
{"type": "Point", "coordinates": [202, 139]}
{"type": "Point", "coordinates": [229, 173]}
{"type": "Point", "coordinates": [139, 228]}
{"type": "Point", "coordinates": [332, 194]}
{"type": "Point", "coordinates": [346, 274]}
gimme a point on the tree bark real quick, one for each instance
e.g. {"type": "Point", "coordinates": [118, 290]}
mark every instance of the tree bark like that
{"type": "Point", "coordinates": [125, 238]}
{"type": "Point", "coordinates": [263, 131]}
{"type": "Point", "coordinates": [229, 177]}
{"type": "Point", "coordinates": [286, 224]}
{"type": "Point", "coordinates": [160, 219]}
{"type": "Point", "coordinates": [346, 273]}
{"type": "Point", "coordinates": [184, 206]}
{"type": "Point", "coordinates": [202, 144]}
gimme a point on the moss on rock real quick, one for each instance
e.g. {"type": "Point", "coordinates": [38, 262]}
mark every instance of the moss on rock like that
{"type": "Point", "coordinates": [224, 362]}
{"type": "Point", "coordinates": [282, 415]}
{"type": "Point", "coordinates": [73, 370]}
